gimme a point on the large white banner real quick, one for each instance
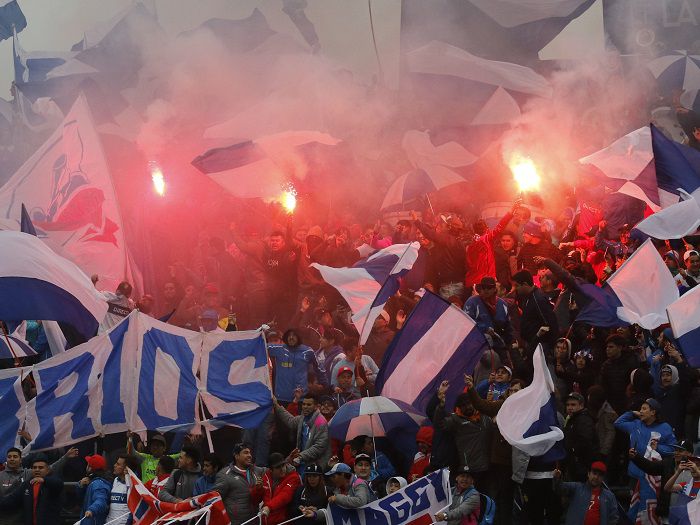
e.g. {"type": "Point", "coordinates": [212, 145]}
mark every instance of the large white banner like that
{"type": "Point", "coordinates": [145, 374]}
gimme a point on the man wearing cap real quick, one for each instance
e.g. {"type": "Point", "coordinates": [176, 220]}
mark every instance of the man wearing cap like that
{"type": "Point", "coordinates": [534, 245]}
{"type": "Point", "coordinates": [149, 462]}
{"type": "Point", "coordinates": [491, 315]}
{"type": "Point", "coordinates": [313, 493]}
{"type": "Point", "coordinates": [279, 484]}
{"type": "Point", "coordinates": [311, 431]}
{"type": "Point", "coordinates": [464, 509]}
{"type": "Point", "coordinates": [580, 438]}
{"type": "Point", "coordinates": [494, 390]}
{"type": "Point", "coordinates": [39, 498]}
{"type": "Point", "coordinates": [665, 469]}
{"type": "Point", "coordinates": [95, 489]}
{"type": "Point", "coordinates": [690, 276]}
{"type": "Point", "coordinates": [345, 391]}
{"type": "Point", "coordinates": [354, 358]}
{"type": "Point", "coordinates": [590, 502]}
{"type": "Point", "coordinates": [349, 492]}
{"type": "Point", "coordinates": [622, 249]}
{"type": "Point", "coordinates": [363, 470]}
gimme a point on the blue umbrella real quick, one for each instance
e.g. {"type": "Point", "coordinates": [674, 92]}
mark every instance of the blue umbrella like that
{"type": "Point", "coordinates": [677, 71]}
{"type": "Point", "coordinates": [691, 100]}
{"type": "Point", "coordinates": [376, 416]}
{"type": "Point", "coordinates": [20, 348]}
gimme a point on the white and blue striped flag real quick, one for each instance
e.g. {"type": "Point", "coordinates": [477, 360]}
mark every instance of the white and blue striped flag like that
{"type": "Point", "coordinates": [438, 342]}
{"type": "Point", "coordinates": [369, 284]}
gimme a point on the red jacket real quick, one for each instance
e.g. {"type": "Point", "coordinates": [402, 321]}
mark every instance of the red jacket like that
{"type": "Point", "coordinates": [277, 499]}
{"type": "Point", "coordinates": [481, 261]}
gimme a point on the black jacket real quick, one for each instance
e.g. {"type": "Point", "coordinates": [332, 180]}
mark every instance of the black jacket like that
{"type": "Point", "coordinates": [449, 257]}
{"type": "Point", "coordinates": [581, 443]}
{"type": "Point", "coordinates": [614, 378]}
{"type": "Point", "coordinates": [537, 312]}
{"type": "Point", "coordinates": [48, 507]}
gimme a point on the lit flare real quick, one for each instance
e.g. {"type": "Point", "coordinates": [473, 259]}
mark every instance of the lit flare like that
{"type": "Point", "coordinates": [158, 179]}
{"type": "Point", "coordinates": [525, 174]}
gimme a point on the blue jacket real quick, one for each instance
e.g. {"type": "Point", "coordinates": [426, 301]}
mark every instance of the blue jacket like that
{"type": "Point", "coordinates": [499, 322]}
{"type": "Point", "coordinates": [640, 434]}
{"type": "Point", "coordinates": [96, 500]}
{"type": "Point", "coordinates": [579, 495]}
{"type": "Point", "coordinates": [204, 484]}
{"type": "Point", "coordinates": [499, 389]}
{"type": "Point", "coordinates": [292, 369]}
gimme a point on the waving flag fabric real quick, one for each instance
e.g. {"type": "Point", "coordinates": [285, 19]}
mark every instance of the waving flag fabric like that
{"type": "Point", "coordinates": [369, 284]}
{"type": "Point", "coordinates": [511, 13]}
{"type": "Point", "coordinates": [12, 19]}
{"type": "Point", "coordinates": [260, 167]}
{"type": "Point", "coordinates": [36, 283]}
{"type": "Point", "coordinates": [67, 189]}
{"type": "Point", "coordinates": [146, 508]}
{"type": "Point", "coordinates": [438, 342]}
{"type": "Point", "coordinates": [528, 418]}
{"type": "Point", "coordinates": [629, 161]}
{"type": "Point", "coordinates": [684, 316]}
{"type": "Point", "coordinates": [440, 58]}
{"type": "Point", "coordinates": [13, 408]}
{"type": "Point", "coordinates": [644, 305]}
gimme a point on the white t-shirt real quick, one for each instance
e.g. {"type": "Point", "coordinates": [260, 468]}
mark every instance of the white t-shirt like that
{"type": "Point", "coordinates": [117, 502]}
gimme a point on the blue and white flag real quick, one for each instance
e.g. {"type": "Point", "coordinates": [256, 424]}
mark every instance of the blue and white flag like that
{"type": "Point", "coordinates": [438, 342]}
{"type": "Point", "coordinates": [684, 316]}
{"type": "Point", "coordinates": [13, 407]}
{"type": "Point", "coordinates": [369, 284]}
{"type": "Point", "coordinates": [644, 305]}
{"type": "Point", "coordinates": [147, 375]}
{"type": "Point", "coordinates": [12, 19]}
{"type": "Point", "coordinates": [528, 419]}
{"type": "Point", "coordinates": [259, 168]}
{"type": "Point", "coordinates": [415, 504]}
{"type": "Point", "coordinates": [36, 283]}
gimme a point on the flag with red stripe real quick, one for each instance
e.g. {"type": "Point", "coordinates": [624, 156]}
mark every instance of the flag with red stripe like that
{"type": "Point", "coordinates": [146, 509]}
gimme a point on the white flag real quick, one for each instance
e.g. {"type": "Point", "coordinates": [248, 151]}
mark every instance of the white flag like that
{"type": "Point", "coordinates": [645, 287]}
{"type": "Point", "coordinates": [67, 189]}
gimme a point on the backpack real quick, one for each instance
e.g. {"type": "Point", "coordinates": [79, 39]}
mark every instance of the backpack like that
{"type": "Point", "coordinates": [487, 509]}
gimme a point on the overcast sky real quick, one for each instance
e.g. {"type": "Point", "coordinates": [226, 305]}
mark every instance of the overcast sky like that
{"type": "Point", "coordinates": [342, 25]}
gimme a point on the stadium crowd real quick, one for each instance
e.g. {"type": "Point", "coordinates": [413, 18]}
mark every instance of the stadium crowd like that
{"type": "Point", "coordinates": [629, 404]}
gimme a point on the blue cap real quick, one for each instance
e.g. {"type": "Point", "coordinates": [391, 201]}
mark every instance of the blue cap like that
{"type": "Point", "coordinates": [339, 468]}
